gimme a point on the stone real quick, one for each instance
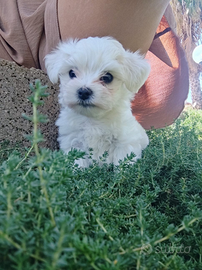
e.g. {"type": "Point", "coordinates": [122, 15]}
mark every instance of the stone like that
{"type": "Point", "coordinates": [14, 93]}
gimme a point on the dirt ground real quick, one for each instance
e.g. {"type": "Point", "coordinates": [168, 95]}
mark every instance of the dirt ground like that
{"type": "Point", "coordinates": [14, 91]}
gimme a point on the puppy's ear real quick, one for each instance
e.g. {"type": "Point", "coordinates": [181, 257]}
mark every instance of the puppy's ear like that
{"type": "Point", "coordinates": [56, 61]}
{"type": "Point", "coordinates": [136, 71]}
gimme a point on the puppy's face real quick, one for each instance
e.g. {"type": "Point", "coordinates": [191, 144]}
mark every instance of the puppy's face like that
{"type": "Point", "coordinates": [96, 74]}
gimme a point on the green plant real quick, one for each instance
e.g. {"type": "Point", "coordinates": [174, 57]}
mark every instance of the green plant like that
{"type": "Point", "coordinates": [55, 215]}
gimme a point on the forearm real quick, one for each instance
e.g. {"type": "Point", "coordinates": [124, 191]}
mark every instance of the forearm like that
{"type": "Point", "coordinates": [132, 22]}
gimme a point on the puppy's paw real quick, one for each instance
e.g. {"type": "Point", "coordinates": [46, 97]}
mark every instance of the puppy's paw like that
{"type": "Point", "coordinates": [83, 162]}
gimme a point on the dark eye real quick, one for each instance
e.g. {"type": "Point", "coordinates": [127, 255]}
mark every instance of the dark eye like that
{"type": "Point", "coordinates": [107, 78]}
{"type": "Point", "coordinates": [72, 74]}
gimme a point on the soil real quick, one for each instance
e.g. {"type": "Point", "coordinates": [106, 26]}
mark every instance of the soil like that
{"type": "Point", "coordinates": [14, 93]}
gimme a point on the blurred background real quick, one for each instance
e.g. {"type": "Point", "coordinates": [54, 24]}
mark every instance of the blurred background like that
{"type": "Point", "coordinates": [188, 15]}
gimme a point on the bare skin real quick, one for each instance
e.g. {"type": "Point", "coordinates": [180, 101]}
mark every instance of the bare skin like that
{"type": "Point", "coordinates": [131, 22]}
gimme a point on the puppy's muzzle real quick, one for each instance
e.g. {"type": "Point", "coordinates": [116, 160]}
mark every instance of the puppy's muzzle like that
{"type": "Point", "coordinates": [84, 93]}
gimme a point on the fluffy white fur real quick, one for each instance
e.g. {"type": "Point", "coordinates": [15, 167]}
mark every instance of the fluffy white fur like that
{"type": "Point", "coordinates": [103, 121]}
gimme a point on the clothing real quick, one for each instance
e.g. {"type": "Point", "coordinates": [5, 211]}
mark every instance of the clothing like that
{"type": "Point", "coordinates": [161, 99]}
{"type": "Point", "coordinates": [29, 30]}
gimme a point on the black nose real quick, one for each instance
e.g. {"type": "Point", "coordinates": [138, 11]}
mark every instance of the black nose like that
{"type": "Point", "coordinates": [84, 93]}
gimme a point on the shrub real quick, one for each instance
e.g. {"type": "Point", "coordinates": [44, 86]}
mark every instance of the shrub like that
{"type": "Point", "coordinates": [55, 215]}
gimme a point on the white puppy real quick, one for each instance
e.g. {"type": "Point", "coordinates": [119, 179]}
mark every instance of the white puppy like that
{"type": "Point", "coordinates": [98, 80]}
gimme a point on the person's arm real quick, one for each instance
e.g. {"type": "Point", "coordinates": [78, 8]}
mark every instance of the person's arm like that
{"type": "Point", "coordinates": [131, 22]}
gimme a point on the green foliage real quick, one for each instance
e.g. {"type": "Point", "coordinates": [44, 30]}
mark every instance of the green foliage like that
{"type": "Point", "coordinates": [55, 215]}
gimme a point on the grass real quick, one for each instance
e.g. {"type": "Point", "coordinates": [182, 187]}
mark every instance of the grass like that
{"type": "Point", "coordinates": [55, 215]}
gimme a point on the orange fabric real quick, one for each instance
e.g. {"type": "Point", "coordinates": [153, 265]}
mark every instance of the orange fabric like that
{"type": "Point", "coordinates": [161, 99]}
{"type": "Point", "coordinates": [29, 30]}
